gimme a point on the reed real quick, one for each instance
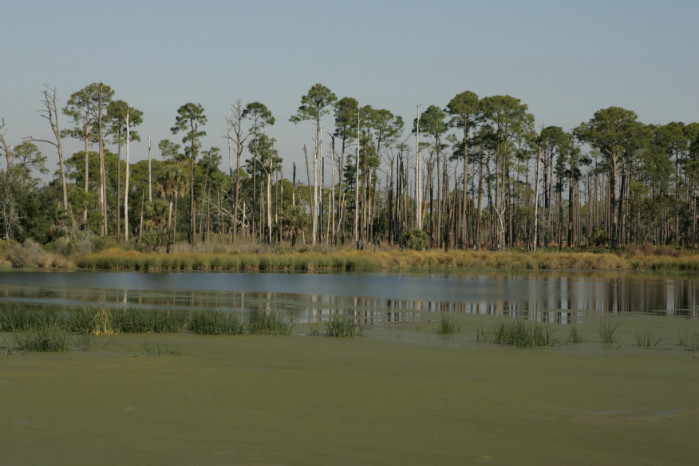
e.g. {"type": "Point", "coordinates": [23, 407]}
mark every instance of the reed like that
{"type": "Point", "coordinates": [337, 327]}
{"type": "Point", "coordinates": [688, 342]}
{"type": "Point", "coordinates": [574, 336]}
{"type": "Point", "coordinates": [45, 340]}
{"type": "Point", "coordinates": [607, 332]}
{"type": "Point", "coordinates": [269, 323]}
{"type": "Point", "coordinates": [447, 326]}
{"type": "Point", "coordinates": [647, 340]}
{"type": "Point", "coordinates": [19, 317]}
{"type": "Point", "coordinates": [214, 323]}
{"type": "Point", "coordinates": [520, 334]}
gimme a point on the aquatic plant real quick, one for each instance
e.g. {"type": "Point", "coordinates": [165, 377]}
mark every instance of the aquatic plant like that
{"type": "Point", "coordinates": [268, 323]}
{"type": "Point", "coordinates": [18, 317]}
{"type": "Point", "coordinates": [688, 342]}
{"type": "Point", "coordinates": [574, 336]}
{"type": "Point", "coordinates": [607, 332]}
{"type": "Point", "coordinates": [519, 333]}
{"type": "Point", "coordinates": [214, 323]}
{"type": "Point", "coordinates": [45, 340]}
{"type": "Point", "coordinates": [647, 340]}
{"type": "Point", "coordinates": [339, 327]}
{"type": "Point", "coordinates": [447, 326]}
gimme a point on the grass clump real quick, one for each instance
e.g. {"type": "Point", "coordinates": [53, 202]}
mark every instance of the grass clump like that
{"type": "Point", "coordinates": [574, 336]}
{"type": "Point", "coordinates": [607, 333]}
{"type": "Point", "coordinates": [520, 334]}
{"type": "Point", "coordinates": [689, 342]}
{"type": "Point", "coordinates": [447, 326]}
{"type": "Point", "coordinates": [268, 323]}
{"type": "Point", "coordinates": [46, 340]}
{"type": "Point", "coordinates": [215, 323]}
{"type": "Point", "coordinates": [18, 317]}
{"type": "Point", "coordinates": [647, 340]}
{"type": "Point", "coordinates": [338, 327]}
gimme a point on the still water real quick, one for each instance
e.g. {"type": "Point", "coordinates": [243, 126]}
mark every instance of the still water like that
{"type": "Point", "coordinates": [562, 297]}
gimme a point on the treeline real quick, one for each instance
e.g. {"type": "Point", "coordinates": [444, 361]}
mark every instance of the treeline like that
{"type": "Point", "coordinates": [472, 174]}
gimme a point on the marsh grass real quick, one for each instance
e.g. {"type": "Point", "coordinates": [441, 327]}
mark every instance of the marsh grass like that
{"type": "Point", "coordinates": [135, 320]}
{"type": "Point", "coordinates": [160, 349]}
{"type": "Point", "coordinates": [215, 323]}
{"type": "Point", "coordinates": [338, 327]}
{"type": "Point", "coordinates": [688, 342]}
{"type": "Point", "coordinates": [519, 333]}
{"type": "Point", "coordinates": [574, 336]}
{"type": "Point", "coordinates": [45, 340]}
{"type": "Point", "coordinates": [607, 333]}
{"type": "Point", "coordinates": [647, 340]}
{"type": "Point", "coordinates": [19, 317]}
{"type": "Point", "coordinates": [447, 326]}
{"type": "Point", "coordinates": [269, 323]}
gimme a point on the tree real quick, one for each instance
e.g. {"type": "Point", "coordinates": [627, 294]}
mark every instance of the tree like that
{"type": "Point", "coordinates": [260, 116]}
{"type": "Point", "coordinates": [50, 113]}
{"type": "Point", "coordinates": [234, 123]}
{"type": "Point", "coordinates": [464, 112]}
{"type": "Point", "coordinates": [613, 131]}
{"type": "Point", "coordinates": [314, 106]}
{"type": "Point", "coordinates": [190, 118]}
{"type": "Point", "coordinates": [121, 118]}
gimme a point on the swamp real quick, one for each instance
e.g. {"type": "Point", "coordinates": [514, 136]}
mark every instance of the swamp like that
{"type": "Point", "coordinates": [556, 367]}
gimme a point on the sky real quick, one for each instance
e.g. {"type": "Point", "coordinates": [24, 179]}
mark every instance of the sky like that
{"type": "Point", "coordinates": [565, 59]}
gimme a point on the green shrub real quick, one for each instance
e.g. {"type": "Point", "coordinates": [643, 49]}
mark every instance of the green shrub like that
{"type": "Point", "coordinates": [415, 239]}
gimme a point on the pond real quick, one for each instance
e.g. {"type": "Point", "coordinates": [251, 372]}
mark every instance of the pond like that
{"type": "Point", "coordinates": [557, 297]}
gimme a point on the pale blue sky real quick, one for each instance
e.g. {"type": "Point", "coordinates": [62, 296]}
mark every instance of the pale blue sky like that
{"type": "Point", "coordinates": [565, 59]}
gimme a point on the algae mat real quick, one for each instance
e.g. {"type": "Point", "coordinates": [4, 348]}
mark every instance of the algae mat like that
{"type": "Point", "coordinates": [304, 400]}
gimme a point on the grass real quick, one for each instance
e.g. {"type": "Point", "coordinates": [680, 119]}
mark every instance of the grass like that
{"type": "Point", "coordinates": [688, 342]}
{"type": "Point", "coordinates": [386, 259]}
{"type": "Point", "coordinates": [46, 340]}
{"type": "Point", "coordinates": [647, 340]}
{"type": "Point", "coordinates": [519, 333]}
{"type": "Point", "coordinates": [269, 323]}
{"type": "Point", "coordinates": [338, 327]}
{"type": "Point", "coordinates": [447, 326]}
{"type": "Point", "coordinates": [215, 323]}
{"type": "Point", "coordinates": [574, 336]}
{"type": "Point", "coordinates": [607, 332]}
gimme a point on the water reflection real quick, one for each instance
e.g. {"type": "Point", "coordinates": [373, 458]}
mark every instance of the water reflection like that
{"type": "Point", "coordinates": [368, 298]}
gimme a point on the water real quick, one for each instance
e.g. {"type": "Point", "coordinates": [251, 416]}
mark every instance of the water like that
{"type": "Point", "coordinates": [561, 297]}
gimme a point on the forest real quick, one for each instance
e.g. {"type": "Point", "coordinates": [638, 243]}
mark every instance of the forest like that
{"type": "Point", "coordinates": [472, 173]}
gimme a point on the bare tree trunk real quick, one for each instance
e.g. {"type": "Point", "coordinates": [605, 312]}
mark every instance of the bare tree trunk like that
{"type": "Point", "coordinates": [150, 173]}
{"type": "Point", "coordinates": [126, 184]}
{"type": "Point", "coordinates": [418, 174]}
{"type": "Point", "coordinates": [536, 202]}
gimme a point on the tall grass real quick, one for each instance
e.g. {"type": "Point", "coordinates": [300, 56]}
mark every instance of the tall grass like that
{"type": "Point", "coordinates": [215, 323]}
{"type": "Point", "coordinates": [647, 340]}
{"type": "Point", "coordinates": [18, 317]}
{"type": "Point", "coordinates": [45, 340]}
{"type": "Point", "coordinates": [268, 323]}
{"type": "Point", "coordinates": [519, 333]}
{"type": "Point", "coordinates": [447, 326]}
{"type": "Point", "coordinates": [338, 327]}
{"type": "Point", "coordinates": [607, 333]}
